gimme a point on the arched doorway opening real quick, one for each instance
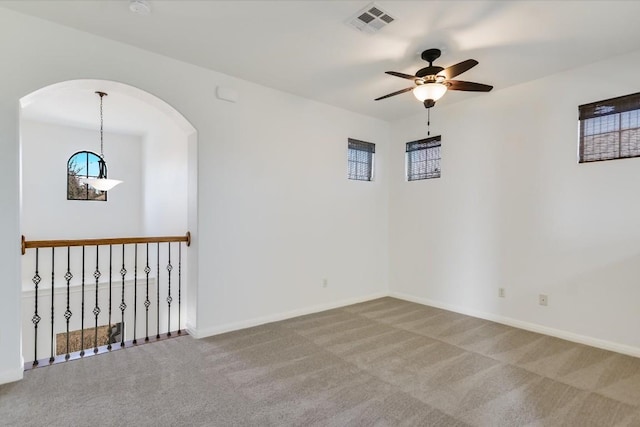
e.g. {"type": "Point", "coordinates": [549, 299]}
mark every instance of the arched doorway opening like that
{"type": "Point", "coordinates": [152, 148]}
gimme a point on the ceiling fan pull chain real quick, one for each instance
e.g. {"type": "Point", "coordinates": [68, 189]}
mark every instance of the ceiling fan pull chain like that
{"type": "Point", "coordinates": [428, 121]}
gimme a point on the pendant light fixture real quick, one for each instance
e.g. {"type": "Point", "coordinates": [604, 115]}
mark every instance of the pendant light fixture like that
{"type": "Point", "coordinates": [102, 183]}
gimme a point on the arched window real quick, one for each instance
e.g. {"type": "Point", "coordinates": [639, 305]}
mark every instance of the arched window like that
{"type": "Point", "coordinates": [83, 164]}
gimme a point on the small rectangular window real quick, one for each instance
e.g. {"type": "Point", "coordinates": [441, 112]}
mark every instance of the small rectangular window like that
{"type": "Point", "coordinates": [423, 159]}
{"type": "Point", "coordinates": [610, 129]}
{"type": "Point", "coordinates": [360, 160]}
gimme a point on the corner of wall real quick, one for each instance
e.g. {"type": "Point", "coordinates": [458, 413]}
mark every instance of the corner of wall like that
{"type": "Point", "coordinates": [12, 375]}
{"type": "Point", "coordinates": [527, 326]}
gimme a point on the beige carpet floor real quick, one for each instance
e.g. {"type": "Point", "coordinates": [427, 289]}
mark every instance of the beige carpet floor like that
{"type": "Point", "coordinates": [381, 363]}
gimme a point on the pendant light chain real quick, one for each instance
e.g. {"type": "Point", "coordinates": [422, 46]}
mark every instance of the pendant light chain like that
{"type": "Point", "coordinates": [101, 127]}
{"type": "Point", "coordinates": [101, 182]}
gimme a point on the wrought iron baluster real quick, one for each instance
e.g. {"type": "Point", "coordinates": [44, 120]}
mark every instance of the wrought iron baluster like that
{"type": "Point", "coordinates": [123, 306]}
{"type": "Point", "coordinates": [82, 309]}
{"type": "Point", "coordinates": [110, 289]}
{"type": "Point", "coordinates": [67, 314]}
{"type": "Point", "coordinates": [85, 288]}
{"type": "Point", "coordinates": [135, 292]}
{"type": "Point", "coordinates": [147, 303]}
{"type": "Point", "coordinates": [36, 318]}
{"type": "Point", "coordinates": [169, 299]}
{"type": "Point", "coordinates": [53, 277]}
{"type": "Point", "coordinates": [96, 308]}
{"type": "Point", "coordinates": [179, 287]}
{"type": "Point", "coordinates": [158, 294]}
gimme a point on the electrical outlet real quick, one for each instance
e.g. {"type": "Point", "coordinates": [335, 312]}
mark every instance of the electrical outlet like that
{"type": "Point", "coordinates": [543, 299]}
{"type": "Point", "coordinates": [325, 283]}
{"type": "Point", "coordinates": [501, 292]}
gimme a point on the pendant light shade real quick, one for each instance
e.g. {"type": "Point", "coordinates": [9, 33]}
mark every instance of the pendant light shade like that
{"type": "Point", "coordinates": [102, 183]}
{"type": "Point", "coordinates": [433, 91]}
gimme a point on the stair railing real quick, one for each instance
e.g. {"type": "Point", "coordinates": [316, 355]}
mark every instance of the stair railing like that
{"type": "Point", "coordinates": [78, 269]}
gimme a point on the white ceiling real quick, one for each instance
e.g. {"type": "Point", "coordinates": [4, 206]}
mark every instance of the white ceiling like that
{"type": "Point", "coordinates": [306, 48]}
{"type": "Point", "coordinates": [126, 109]}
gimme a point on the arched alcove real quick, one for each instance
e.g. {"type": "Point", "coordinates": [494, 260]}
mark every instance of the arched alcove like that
{"type": "Point", "coordinates": [147, 144]}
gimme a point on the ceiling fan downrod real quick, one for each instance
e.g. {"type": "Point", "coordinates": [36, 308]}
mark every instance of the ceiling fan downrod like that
{"type": "Point", "coordinates": [431, 55]}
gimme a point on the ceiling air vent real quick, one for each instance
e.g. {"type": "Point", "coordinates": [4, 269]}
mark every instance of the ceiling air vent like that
{"type": "Point", "coordinates": [370, 19]}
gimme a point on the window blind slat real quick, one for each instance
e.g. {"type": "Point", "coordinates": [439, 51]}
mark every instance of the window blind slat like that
{"type": "Point", "coordinates": [360, 160]}
{"type": "Point", "coordinates": [607, 107]}
{"type": "Point", "coordinates": [423, 144]}
{"type": "Point", "coordinates": [355, 144]}
{"type": "Point", "coordinates": [609, 129]}
{"type": "Point", "coordinates": [423, 159]}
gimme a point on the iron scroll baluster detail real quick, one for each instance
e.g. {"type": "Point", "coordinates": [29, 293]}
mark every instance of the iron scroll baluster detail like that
{"type": "Point", "coordinates": [179, 287]}
{"type": "Point", "coordinates": [96, 308]}
{"type": "Point", "coordinates": [53, 281]}
{"type": "Point", "coordinates": [67, 314]}
{"type": "Point", "coordinates": [135, 292]}
{"type": "Point", "coordinates": [147, 303]}
{"type": "Point", "coordinates": [36, 318]}
{"type": "Point", "coordinates": [123, 306]}
{"type": "Point", "coordinates": [82, 310]}
{"type": "Point", "coordinates": [169, 298]}
{"type": "Point", "coordinates": [110, 292]}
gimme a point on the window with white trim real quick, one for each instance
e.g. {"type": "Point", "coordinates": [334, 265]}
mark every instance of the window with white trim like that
{"type": "Point", "coordinates": [360, 160]}
{"type": "Point", "coordinates": [423, 159]}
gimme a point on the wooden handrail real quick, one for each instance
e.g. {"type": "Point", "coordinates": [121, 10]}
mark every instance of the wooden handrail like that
{"type": "Point", "coordinates": [29, 244]}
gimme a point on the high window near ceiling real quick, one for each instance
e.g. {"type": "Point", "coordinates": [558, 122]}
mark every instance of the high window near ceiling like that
{"type": "Point", "coordinates": [360, 160]}
{"type": "Point", "coordinates": [423, 159]}
{"type": "Point", "coordinates": [610, 129]}
{"type": "Point", "coordinates": [81, 165]}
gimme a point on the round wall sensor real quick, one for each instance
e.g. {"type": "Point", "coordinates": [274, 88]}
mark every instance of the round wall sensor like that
{"type": "Point", "coordinates": [141, 7]}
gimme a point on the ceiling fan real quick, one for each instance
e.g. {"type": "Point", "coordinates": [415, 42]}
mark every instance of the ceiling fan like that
{"type": "Point", "coordinates": [433, 81]}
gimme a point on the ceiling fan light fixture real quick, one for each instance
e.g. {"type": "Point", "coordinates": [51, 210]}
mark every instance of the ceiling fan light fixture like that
{"type": "Point", "coordinates": [434, 81]}
{"type": "Point", "coordinates": [433, 91]}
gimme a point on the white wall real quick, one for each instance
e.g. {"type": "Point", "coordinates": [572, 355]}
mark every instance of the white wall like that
{"type": "Point", "coordinates": [514, 209]}
{"type": "Point", "coordinates": [276, 213]}
{"type": "Point", "coordinates": [164, 169]}
{"type": "Point", "coordinates": [280, 213]}
{"type": "Point", "coordinates": [46, 148]}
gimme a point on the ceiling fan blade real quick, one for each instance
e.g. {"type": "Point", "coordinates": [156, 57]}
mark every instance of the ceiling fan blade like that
{"type": "Point", "coordinates": [395, 93]}
{"type": "Point", "coordinates": [459, 68]}
{"type": "Point", "coordinates": [468, 86]}
{"type": "Point", "coordinates": [402, 75]}
{"type": "Point", "coordinates": [429, 71]}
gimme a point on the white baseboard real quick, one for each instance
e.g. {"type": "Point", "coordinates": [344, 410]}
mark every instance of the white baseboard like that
{"type": "Point", "coordinates": [533, 327]}
{"type": "Point", "coordinates": [191, 330]}
{"type": "Point", "coordinates": [12, 375]}
{"type": "Point", "coordinates": [256, 321]}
